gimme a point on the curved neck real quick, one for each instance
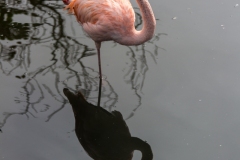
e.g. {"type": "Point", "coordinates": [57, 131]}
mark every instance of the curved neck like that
{"type": "Point", "coordinates": [138, 144]}
{"type": "Point", "coordinates": [149, 23]}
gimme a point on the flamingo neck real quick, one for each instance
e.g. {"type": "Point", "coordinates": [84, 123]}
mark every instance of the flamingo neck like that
{"type": "Point", "coordinates": [149, 23]}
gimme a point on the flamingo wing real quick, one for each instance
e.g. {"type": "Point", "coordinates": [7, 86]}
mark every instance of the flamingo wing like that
{"type": "Point", "coordinates": [104, 20]}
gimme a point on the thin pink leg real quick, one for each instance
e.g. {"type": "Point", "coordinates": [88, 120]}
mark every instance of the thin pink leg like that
{"type": "Point", "coordinates": [98, 45]}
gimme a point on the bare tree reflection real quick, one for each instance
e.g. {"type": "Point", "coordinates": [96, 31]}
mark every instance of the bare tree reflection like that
{"type": "Point", "coordinates": [136, 73]}
{"type": "Point", "coordinates": [45, 19]}
{"type": "Point", "coordinates": [44, 81]}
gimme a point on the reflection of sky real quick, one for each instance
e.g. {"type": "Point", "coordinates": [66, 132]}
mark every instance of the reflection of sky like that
{"type": "Point", "coordinates": [189, 107]}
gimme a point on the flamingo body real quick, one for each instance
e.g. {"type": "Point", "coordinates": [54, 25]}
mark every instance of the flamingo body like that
{"type": "Point", "coordinates": [105, 20]}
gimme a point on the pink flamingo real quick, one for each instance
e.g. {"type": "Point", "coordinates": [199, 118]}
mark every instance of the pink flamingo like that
{"type": "Point", "coordinates": [105, 20]}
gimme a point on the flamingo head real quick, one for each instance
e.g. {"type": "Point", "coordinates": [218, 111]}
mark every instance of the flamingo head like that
{"type": "Point", "coordinates": [66, 2]}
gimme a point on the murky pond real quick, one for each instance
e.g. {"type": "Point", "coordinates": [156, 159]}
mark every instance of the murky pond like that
{"type": "Point", "coordinates": [179, 91]}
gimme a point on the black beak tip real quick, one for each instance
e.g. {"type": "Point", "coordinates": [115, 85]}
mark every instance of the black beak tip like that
{"type": "Point", "coordinates": [65, 91]}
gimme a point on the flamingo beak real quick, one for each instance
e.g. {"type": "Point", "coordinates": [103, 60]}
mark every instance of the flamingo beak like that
{"type": "Point", "coordinates": [70, 95]}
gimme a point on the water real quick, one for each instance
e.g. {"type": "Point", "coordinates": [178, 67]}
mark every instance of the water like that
{"type": "Point", "coordinates": [179, 92]}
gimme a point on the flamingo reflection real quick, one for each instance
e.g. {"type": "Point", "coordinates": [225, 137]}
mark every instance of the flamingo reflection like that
{"type": "Point", "coordinates": [104, 135]}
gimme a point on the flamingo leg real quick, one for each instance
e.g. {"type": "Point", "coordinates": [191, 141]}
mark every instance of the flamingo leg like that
{"type": "Point", "coordinates": [98, 46]}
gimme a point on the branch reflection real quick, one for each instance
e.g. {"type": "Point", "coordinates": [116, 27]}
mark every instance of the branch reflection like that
{"type": "Point", "coordinates": [138, 67]}
{"type": "Point", "coordinates": [43, 78]}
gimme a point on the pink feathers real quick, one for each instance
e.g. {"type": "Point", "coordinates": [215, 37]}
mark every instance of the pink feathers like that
{"type": "Point", "coordinates": [105, 20]}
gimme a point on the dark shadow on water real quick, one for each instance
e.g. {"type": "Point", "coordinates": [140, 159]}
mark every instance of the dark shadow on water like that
{"type": "Point", "coordinates": [103, 134]}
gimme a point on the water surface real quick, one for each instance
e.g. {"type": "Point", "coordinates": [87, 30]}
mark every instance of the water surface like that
{"type": "Point", "coordinates": [179, 91]}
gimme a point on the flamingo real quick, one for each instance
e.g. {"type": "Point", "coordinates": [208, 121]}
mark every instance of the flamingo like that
{"type": "Point", "coordinates": [104, 135]}
{"type": "Point", "coordinates": [105, 20]}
